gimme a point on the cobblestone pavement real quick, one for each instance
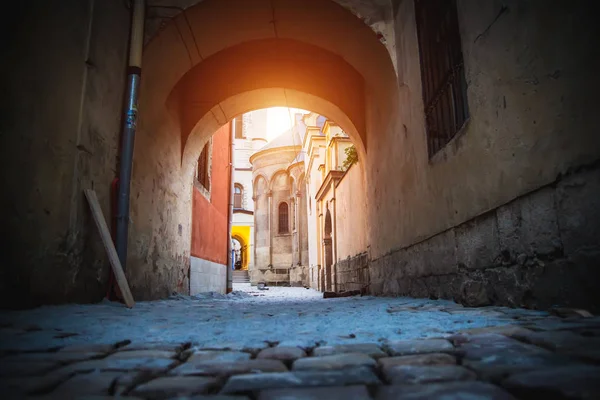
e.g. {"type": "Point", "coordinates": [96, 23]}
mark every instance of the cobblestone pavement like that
{"type": "Point", "coordinates": [288, 343]}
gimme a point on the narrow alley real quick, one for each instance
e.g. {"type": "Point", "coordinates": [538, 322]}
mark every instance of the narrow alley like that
{"type": "Point", "coordinates": [291, 343]}
{"type": "Point", "coordinates": [300, 199]}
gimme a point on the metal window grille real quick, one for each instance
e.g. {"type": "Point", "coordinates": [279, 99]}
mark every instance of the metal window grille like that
{"type": "Point", "coordinates": [283, 218]}
{"type": "Point", "coordinates": [442, 71]}
{"type": "Point", "coordinates": [203, 168]}
{"type": "Point", "coordinates": [237, 197]}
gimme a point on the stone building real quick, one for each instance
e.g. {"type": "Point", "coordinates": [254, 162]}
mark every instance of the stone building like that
{"type": "Point", "coordinates": [281, 245]}
{"type": "Point", "coordinates": [250, 135]}
{"type": "Point", "coordinates": [336, 209]}
{"type": "Point", "coordinates": [474, 121]}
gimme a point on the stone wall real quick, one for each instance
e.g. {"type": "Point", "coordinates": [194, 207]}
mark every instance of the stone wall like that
{"type": "Point", "coordinates": [62, 84]}
{"type": "Point", "coordinates": [536, 251]}
{"type": "Point", "coordinates": [207, 276]}
{"type": "Point", "coordinates": [299, 276]}
{"type": "Point", "coordinates": [353, 272]}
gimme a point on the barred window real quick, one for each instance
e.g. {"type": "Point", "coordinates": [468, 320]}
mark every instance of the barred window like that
{"type": "Point", "coordinates": [203, 167]}
{"type": "Point", "coordinates": [442, 71]}
{"type": "Point", "coordinates": [283, 218]}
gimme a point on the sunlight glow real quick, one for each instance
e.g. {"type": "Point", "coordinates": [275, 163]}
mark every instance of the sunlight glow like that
{"type": "Point", "coordinates": [280, 119]}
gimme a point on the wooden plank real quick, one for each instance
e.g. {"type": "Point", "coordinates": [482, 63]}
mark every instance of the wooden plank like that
{"type": "Point", "coordinates": [109, 246]}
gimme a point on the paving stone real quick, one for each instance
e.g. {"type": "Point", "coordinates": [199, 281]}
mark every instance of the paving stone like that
{"type": "Point", "coordinates": [419, 346]}
{"type": "Point", "coordinates": [565, 342]}
{"type": "Point", "coordinates": [471, 390]}
{"type": "Point", "coordinates": [216, 355]}
{"type": "Point", "coordinates": [175, 347]}
{"type": "Point", "coordinates": [123, 355]}
{"type": "Point", "coordinates": [93, 383]}
{"type": "Point", "coordinates": [419, 359]}
{"type": "Point", "coordinates": [175, 386]}
{"type": "Point", "coordinates": [418, 374]}
{"type": "Point", "coordinates": [506, 330]}
{"type": "Point", "coordinates": [226, 368]}
{"type": "Point", "coordinates": [370, 349]}
{"type": "Point", "coordinates": [26, 368]}
{"type": "Point", "coordinates": [300, 379]}
{"type": "Point", "coordinates": [211, 397]}
{"type": "Point", "coordinates": [337, 361]}
{"type": "Point", "coordinates": [329, 393]}
{"type": "Point", "coordinates": [59, 358]}
{"type": "Point", "coordinates": [128, 364]}
{"type": "Point", "coordinates": [89, 348]}
{"type": "Point", "coordinates": [494, 356]}
{"type": "Point", "coordinates": [282, 353]}
{"type": "Point", "coordinates": [580, 382]}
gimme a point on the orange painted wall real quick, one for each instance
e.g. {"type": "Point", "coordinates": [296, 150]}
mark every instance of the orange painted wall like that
{"type": "Point", "coordinates": [209, 218]}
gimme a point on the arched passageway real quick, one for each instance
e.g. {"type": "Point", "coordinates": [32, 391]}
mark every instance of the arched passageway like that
{"type": "Point", "coordinates": [266, 57]}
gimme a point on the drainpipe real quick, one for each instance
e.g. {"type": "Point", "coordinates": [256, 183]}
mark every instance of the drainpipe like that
{"type": "Point", "coordinates": [134, 71]}
{"type": "Point", "coordinates": [230, 219]}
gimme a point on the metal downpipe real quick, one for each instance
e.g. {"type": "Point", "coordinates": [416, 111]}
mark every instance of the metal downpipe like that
{"type": "Point", "coordinates": [134, 71]}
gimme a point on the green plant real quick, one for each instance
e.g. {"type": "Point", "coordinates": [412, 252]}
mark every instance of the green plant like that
{"type": "Point", "coordinates": [351, 157]}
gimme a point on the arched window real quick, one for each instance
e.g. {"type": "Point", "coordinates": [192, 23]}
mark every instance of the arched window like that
{"type": "Point", "coordinates": [238, 195]}
{"type": "Point", "coordinates": [284, 225]}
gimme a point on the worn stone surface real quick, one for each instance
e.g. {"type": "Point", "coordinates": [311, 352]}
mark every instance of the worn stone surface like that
{"type": "Point", "coordinates": [330, 393]}
{"type": "Point", "coordinates": [58, 357]}
{"type": "Point", "coordinates": [580, 382]}
{"type": "Point", "coordinates": [282, 353]}
{"type": "Point", "coordinates": [370, 349]}
{"type": "Point", "coordinates": [443, 391]}
{"type": "Point", "coordinates": [174, 386]}
{"type": "Point", "coordinates": [300, 379]}
{"type": "Point", "coordinates": [174, 347]}
{"type": "Point", "coordinates": [337, 361]}
{"type": "Point", "coordinates": [226, 368]}
{"type": "Point", "coordinates": [216, 355]}
{"type": "Point", "coordinates": [409, 347]}
{"type": "Point", "coordinates": [411, 374]}
{"type": "Point", "coordinates": [154, 354]}
{"type": "Point", "coordinates": [494, 356]}
{"type": "Point", "coordinates": [25, 368]}
{"type": "Point", "coordinates": [92, 383]}
{"type": "Point", "coordinates": [420, 359]}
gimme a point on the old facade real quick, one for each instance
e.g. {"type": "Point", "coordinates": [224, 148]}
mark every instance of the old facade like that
{"type": "Point", "coordinates": [281, 246]}
{"type": "Point", "coordinates": [481, 169]}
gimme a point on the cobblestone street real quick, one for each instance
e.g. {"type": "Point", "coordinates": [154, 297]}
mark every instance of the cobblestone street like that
{"type": "Point", "coordinates": [291, 343]}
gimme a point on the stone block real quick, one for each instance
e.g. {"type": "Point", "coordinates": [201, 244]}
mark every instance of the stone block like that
{"type": "Point", "coordinates": [93, 383]}
{"type": "Point", "coordinates": [333, 362]}
{"type": "Point", "coordinates": [127, 364]}
{"type": "Point", "coordinates": [174, 347]}
{"type": "Point", "coordinates": [226, 368]}
{"type": "Point", "coordinates": [569, 382]}
{"type": "Point", "coordinates": [216, 355]}
{"type": "Point", "coordinates": [87, 348]}
{"type": "Point", "coordinates": [578, 207]}
{"type": "Point", "coordinates": [418, 346]}
{"type": "Point", "coordinates": [417, 374]}
{"type": "Point", "coordinates": [300, 379]}
{"type": "Point", "coordinates": [565, 342]}
{"type": "Point", "coordinates": [529, 225]}
{"type": "Point", "coordinates": [19, 368]}
{"type": "Point", "coordinates": [420, 359]}
{"type": "Point", "coordinates": [439, 254]}
{"type": "Point", "coordinates": [329, 393]}
{"type": "Point", "coordinates": [370, 349]}
{"type": "Point", "coordinates": [282, 353]}
{"type": "Point", "coordinates": [477, 242]}
{"type": "Point", "coordinates": [494, 356]}
{"type": "Point", "coordinates": [172, 386]}
{"type": "Point", "coordinates": [443, 391]}
{"type": "Point", "coordinates": [56, 357]}
{"type": "Point", "coordinates": [123, 355]}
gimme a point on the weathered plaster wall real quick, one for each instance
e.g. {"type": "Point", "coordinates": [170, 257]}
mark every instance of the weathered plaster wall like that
{"type": "Point", "coordinates": [207, 276]}
{"type": "Point", "coordinates": [63, 78]}
{"type": "Point", "coordinates": [350, 214]}
{"type": "Point", "coordinates": [529, 77]}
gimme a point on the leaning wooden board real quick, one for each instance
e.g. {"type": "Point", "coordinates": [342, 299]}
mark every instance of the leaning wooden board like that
{"type": "Point", "coordinates": [110, 247]}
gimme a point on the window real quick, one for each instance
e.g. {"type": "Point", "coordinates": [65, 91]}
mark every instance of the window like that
{"type": "Point", "coordinates": [239, 127]}
{"type": "Point", "coordinates": [238, 193]}
{"type": "Point", "coordinates": [442, 71]}
{"type": "Point", "coordinates": [283, 218]}
{"type": "Point", "coordinates": [203, 168]}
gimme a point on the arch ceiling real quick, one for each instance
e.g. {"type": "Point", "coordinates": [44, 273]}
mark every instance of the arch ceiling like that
{"type": "Point", "coordinates": [220, 58]}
